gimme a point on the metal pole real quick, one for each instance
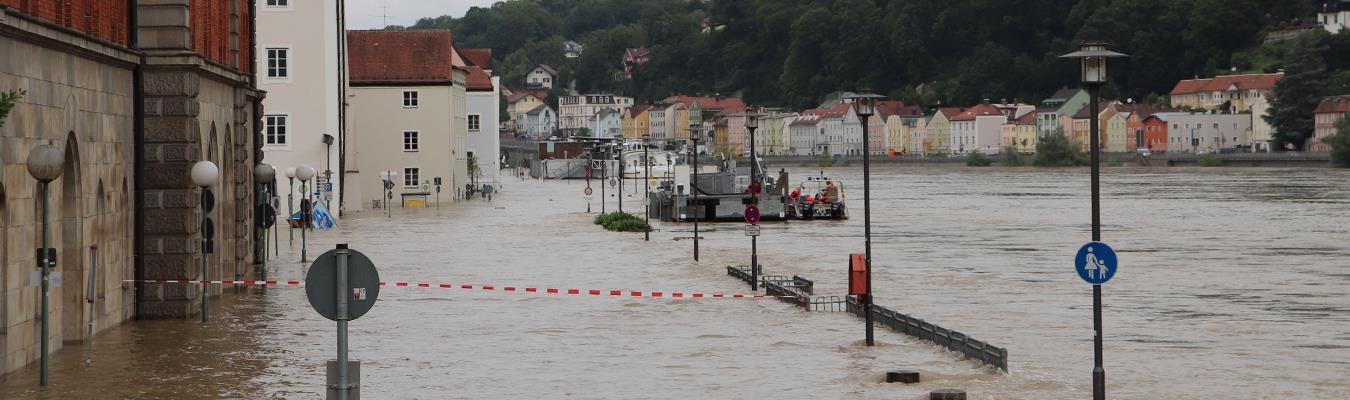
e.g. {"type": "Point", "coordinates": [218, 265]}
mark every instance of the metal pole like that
{"type": "Point", "coordinates": [604, 176]}
{"type": "Point", "coordinates": [263, 274]}
{"type": "Point", "coordinates": [304, 256]}
{"type": "Point", "coordinates": [1098, 373]}
{"type": "Point", "coordinates": [620, 165]}
{"type": "Point", "coordinates": [344, 386]}
{"type": "Point", "coordinates": [693, 188]}
{"type": "Point", "coordinates": [754, 199]}
{"type": "Point", "coordinates": [46, 279]}
{"type": "Point", "coordinates": [647, 187]}
{"type": "Point", "coordinates": [290, 209]}
{"type": "Point", "coordinates": [206, 313]}
{"type": "Point", "coordinates": [867, 225]}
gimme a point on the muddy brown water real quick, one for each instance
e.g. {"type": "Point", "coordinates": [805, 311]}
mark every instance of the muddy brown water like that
{"type": "Point", "coordinates": [1233, 284]}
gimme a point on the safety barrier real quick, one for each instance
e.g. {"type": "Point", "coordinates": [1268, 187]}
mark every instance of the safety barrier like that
{"type": "Point", "coordinates": [742, 272]}
{"type": "Point", "coordinates": [469, 286]}
{"type": "Point", "coordinates": [952, 340]}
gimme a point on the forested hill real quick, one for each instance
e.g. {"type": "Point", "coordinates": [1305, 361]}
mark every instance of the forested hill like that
{"type": "Point", "coordinates": [792, 53]}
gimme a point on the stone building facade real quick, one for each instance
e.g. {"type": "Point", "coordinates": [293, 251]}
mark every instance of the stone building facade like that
{"type": "Point", "coordinates": [124, 207]}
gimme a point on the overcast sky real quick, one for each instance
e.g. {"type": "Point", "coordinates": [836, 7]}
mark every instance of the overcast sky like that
{"type": "Point", "coordinates": [366, 14]}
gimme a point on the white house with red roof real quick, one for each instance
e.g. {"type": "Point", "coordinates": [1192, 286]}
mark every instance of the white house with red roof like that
{"type": "Point", "coordinates": [978, 128]}
{"type": "Point", "coordinates": [1330, 111]}
{"type": "Point", "coordinates": [1235, 92]}
{"type": "Point", "coordinates": [803, 133]}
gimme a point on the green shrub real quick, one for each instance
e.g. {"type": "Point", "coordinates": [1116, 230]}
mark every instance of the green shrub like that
{"type": "Point", "coordinates": [1055, 150]}
{"type": "Point", "coordinates": [977, 159]}
{"type": "Point", "coordinates": [1011, 158]}
{"type": "Point", "coordinates": [1210, 160]}
{"type": "Point", "coordinates": [1340, 144]}
{"type": "Point", "coordinates": [824, 161]}
{"type": "Point", "coordinates": [622, 222]}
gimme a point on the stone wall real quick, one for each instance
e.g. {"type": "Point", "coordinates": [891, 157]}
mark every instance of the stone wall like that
{"type": "Point", "coordinates": [80, 100]}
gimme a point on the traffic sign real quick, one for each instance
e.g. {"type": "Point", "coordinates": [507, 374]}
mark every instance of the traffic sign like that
{"type": "Point", "coordinates": [363, 284]}
{"type": "Point", "coordinates": [1096, 263]}
{"type": "Point", "coordinates": [613, 182]}
{"type": "Point", "coordinates": [587, 191]}
{"type": "Point", "coordinates": [751, 214]}
{"type": "Point", "coordinates": [752, 230]}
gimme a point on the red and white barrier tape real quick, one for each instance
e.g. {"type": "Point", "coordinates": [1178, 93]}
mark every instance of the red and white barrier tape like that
{"type": "Point", "coordinates": [512, 289]}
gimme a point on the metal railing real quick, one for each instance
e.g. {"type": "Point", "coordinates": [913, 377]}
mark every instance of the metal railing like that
{"type": "Point", "coordinates": [952, 340]}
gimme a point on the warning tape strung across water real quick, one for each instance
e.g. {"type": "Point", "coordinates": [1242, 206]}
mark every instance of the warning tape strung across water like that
{"type": "Point", "coordinates": [512, 289]}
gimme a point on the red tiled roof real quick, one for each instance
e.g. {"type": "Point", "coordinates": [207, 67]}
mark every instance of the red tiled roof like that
{"type": "Point", "coordinates": [1027, 119]}
{"type": "Point", "coordinates": [636, 53]}
{"type": "Point", "coordinates": [982, 110]}
{"type": "Point", "coordinates": [1222, 83]}
{"type": "Point", "coordinates": [637, 110]}
{"type": "Point", "coordinates": [809, 117]}
{"type": "Point", "coordinates": [838, 110]}
{"type": "Point", "coordinates": [481, 58]}
{"type": "Point", "coordinates": [1086, 111]}
{"type": "Point", "coordinates": [1333, 104]}
{"type": "Point", "coordinates": [951, 112]}
{"type": "Point", "coordinates": [400, 57]}
{"type": "Point", "coordinates": [517, 94]}
{"type": "Point", "coordinates": [477, 80]}
{"type": "Point", "coordinates": [896, 107]}
{"type": "Point", "coordinates": [724, 104]}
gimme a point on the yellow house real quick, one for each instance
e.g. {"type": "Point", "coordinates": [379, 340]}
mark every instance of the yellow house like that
{"type": "Point", "coordinates": [1116, 130]}
{"type": "Point", "coordinates": [897, 137]}
{"type": "Point", "coordinates": [720, 137]}
{"type": "Point", "coordinates": [1027, 132]}
{"type": "Point", "coordinates": [940, 129]}
{"type": "Point", "coordinates": [520, 103]}
{"type": "Point", "coordinates": [636, 122]}
{"type": "Point", "coordinates": [679, 117]}
{"type": "Point", "coordinates": [1007, 137]}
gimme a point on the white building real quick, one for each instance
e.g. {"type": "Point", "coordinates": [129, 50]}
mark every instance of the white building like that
{"type": "Point", "coordinates": [1206, 132]}
{"type": "Point", "coordinates": [408, 116]}
{"type": "Point", "coordinates": [978, 128]}
{"type": "Point", "coordinates": [541, 76]}
{"type": "Point", "coordinates": [297, 54]}
{"type": "Point", "coordinates": [538, 122]}
{"type": "Point", "coordinates": [483, 111]}
{"type": "Point", "coordinates": [1335, 15]}
{"type": "Point", "coordinates": [803, 131]}
{"type": "Point", "coordinates": [576, 112]}
{"type": "Point", "coordinates": [607, 122]}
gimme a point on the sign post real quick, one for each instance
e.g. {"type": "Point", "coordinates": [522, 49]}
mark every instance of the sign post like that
{"type": "Point", "coordinates": [752, 218]}
{"type": "Point", "coordinates": [342, 285]}
{"type": "Point", "coordinates": [1096, 263]}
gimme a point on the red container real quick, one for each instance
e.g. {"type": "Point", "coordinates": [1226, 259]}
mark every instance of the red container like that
{"type": "Point", "coordinates": [857, 274]}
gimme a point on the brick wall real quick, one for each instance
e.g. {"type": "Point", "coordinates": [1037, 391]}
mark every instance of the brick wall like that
{"type": "Point", "coordinates": [105, 19]}
{"type": "Point", "coordinates": [217, 33]}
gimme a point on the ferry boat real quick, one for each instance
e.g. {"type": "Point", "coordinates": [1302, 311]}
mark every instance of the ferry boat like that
{"type": "Point", "coordinates": [818, 197]}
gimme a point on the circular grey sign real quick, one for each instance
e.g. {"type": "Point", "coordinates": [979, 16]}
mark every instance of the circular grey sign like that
{"type": "Point", "coordinates": [363, 284]}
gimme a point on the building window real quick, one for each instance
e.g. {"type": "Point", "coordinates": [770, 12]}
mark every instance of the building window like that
{"type": "Point", "coordinates": [278, 62]}
{"type": "Point", "coordinates": [276, 126]}
{"type": "Point", "coordinates": [278, 3]}
{"type": "Point", "coordinates": [409, 99]}
{"type": "Point", "coordinates": [410, 141]}
{"type": "Point", "coordinates": [474, 122]}
{"type": "Point", "coordinates": [411, 177]}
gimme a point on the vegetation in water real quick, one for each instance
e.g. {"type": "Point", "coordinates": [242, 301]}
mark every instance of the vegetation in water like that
{"type": "Point", "coordinates": [1056, 150]}
{"type": "Point", "coordinates": [1011, 158]}
{"type": "Point", "coordinates": [622, 222]}
{"type": "Point", "coordinates": [977, 159]}
{"type": "Point", "coordinates": [1340, 144]}
{"type": "Point", "coordinates": [1210, 160]}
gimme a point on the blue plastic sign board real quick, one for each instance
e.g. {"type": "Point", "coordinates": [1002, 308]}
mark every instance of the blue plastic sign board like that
{"type": "Point", "coordinates": [1096, 263]}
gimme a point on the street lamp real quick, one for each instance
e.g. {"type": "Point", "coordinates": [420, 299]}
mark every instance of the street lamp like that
{"type": "Point", "coordinates": [647, 185]}
{"type": "Point", "coordinates": [864, 104]}
{"type": "Point", "coordinates": [305, 173]}
{"type": "Point", "coordinates": [265, 174]}
{"type": "Point", "coordinates": [752, 124]}
{"type": "Point", "coordinates": [695, 134]}
{"type": "Point", "coordinates": [204, 174]}
{"type": "Point", "coordinates": [44, 164]}
{"type": "Point", "coordinates": [290, 201]}
{"type": "Point", "coordinates": [1093, 56]}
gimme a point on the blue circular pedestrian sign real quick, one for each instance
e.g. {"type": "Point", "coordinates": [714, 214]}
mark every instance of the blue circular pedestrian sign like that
{"type": "Point", "coordinates": [1096, 263]}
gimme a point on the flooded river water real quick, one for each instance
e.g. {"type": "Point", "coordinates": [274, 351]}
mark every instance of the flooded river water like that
{"type": "Point", "coordinates": [1234, 284]}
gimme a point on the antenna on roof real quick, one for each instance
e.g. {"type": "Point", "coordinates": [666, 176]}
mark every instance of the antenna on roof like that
{"type": "Point", "coordinates": [384, 17]}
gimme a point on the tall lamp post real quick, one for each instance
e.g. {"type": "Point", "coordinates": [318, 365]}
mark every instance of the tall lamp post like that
{"type": "Point", "coordinates": [290, 201]}
{"type": "Point", "coordinates": [647, 185]}
{"type": "Point", "coordinates": [695, 134]}
{"type": "Point", "coordinates": [265, 174]}
{"type": "Point", "coordinates": [1093, 56]}
{"type": "Point", "coordinates": [305, 173]}
{"type": "Point", "coordinates": [751, 124]}
{"type": "Point", "coordinates": [44, 164]}
{"type": "Point", "coordinates": [205, 174]}
{"type": "Point", "coordinates": [864, 104]}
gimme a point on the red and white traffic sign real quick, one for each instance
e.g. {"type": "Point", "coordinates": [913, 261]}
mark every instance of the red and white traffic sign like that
{"type": "Point", "coordinates": [587, 191]}
{"type": "Point", "coordinates": [613, 182]}
{"type": "Point", "coordinates": [751, 214]}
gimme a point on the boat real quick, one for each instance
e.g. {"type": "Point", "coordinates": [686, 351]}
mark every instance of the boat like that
{"type": "Point", "coordinates": [818, 197]}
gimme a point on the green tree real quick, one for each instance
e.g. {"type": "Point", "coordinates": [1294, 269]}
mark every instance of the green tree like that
{"type": "Point", "coordinates": [1297, 94]}
{"type": "Point", "coordinates": [1056, 150]}
{"type": "Point", "coordinates": [7, 102]}
{"type": "Point", "coordinates": [1340, 144]}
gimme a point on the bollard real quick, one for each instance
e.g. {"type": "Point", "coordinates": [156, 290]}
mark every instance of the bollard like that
{"type": "Point", "coordinates": [902, 376]}
{"type": "Point", "coordinates": [947, 394]}
{"type": "Point", "coordinates": [353, 379]}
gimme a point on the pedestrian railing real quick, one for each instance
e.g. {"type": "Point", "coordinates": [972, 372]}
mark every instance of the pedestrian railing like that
{"type": "Point", "coordinates": [952, 340]}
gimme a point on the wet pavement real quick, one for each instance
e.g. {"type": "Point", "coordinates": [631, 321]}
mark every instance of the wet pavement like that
{"type": "Point", "coordinates": [1233, 284]}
